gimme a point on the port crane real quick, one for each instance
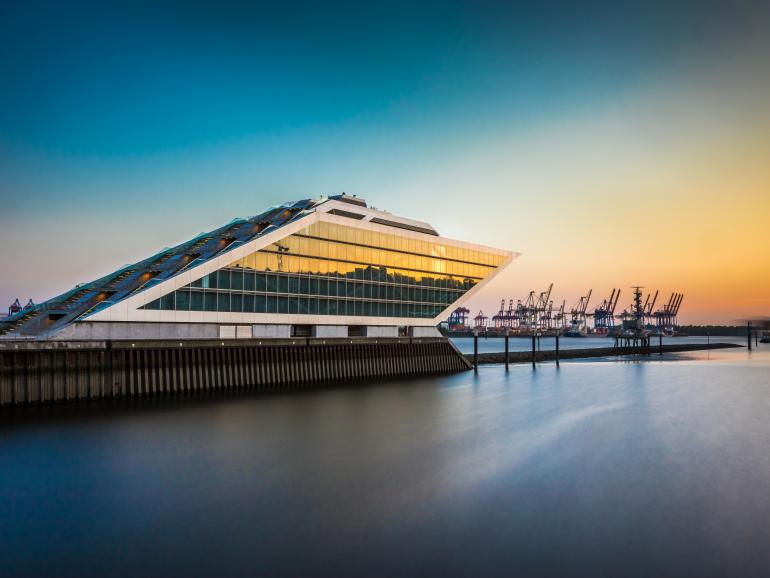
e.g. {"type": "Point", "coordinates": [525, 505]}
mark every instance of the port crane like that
{"type": "Point", "coordinates": [666, 317]}
{"type": "Point", "coordinates": [458, 320]}
{"type": "Point", "coordinates": [481, 321]}
{"type": "Point", "coordinates": [648, 307]}
{"type": "Point", "coordinates": [498, 320]}
{"type": "Point", "coordinates": [544, 309]}
{"type": "Point", "coordinates": [578, 315]}
{"type": "Point", "coordinates": [604, 314]}
{"type": "Point", "coordinates": [537, 313]}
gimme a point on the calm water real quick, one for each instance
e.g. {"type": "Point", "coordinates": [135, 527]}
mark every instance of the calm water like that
{"type": "Point", "coordinates": [654, 468]}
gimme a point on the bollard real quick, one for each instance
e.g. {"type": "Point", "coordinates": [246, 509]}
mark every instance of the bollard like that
{"type": "Point", "coordinates": [660, 344]}
{"type": "Point", "coordinates": [507, 335]}
{"type": "Point", "coordinates": [534, 354]}
{"type": "Point", "coordinates": [748, 328]}
{"type": "Point", "coordinates": [476, 351]}
{"type": "Point", "coordinates": [557, 349]}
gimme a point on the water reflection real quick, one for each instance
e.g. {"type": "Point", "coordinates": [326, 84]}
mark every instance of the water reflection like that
{"type": "Point", "coordinates": [633, 469]}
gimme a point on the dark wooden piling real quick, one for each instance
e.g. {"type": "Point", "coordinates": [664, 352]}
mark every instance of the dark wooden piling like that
{"type": "Point", "coordinates": [507, 358]}
{"type": "Point", "coordinates": [534, 352]}
{"type": "Point", "coordinates": [748, 333]}
{"type": "Point", "coordinates": [475, 351]}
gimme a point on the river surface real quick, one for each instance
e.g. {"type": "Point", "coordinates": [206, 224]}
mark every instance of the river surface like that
{"type": "Point", "coordinates": [655, 468]}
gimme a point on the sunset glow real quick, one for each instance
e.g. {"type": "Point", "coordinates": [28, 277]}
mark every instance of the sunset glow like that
{"type": "Point", "coordinates": [617, 151]}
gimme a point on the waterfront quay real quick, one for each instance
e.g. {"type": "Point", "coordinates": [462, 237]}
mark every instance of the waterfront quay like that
{"type": "Point", "coordinates": [35, 372]}
{"type": "Point", "coordinates": [538, 355]}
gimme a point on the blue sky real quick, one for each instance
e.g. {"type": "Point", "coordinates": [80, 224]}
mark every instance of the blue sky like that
{"type": "Point", "coordinates": [128, 127]}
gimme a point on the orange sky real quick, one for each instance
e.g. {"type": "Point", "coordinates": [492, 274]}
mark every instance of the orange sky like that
{"type": "Point", "coordinates": [649, 166]}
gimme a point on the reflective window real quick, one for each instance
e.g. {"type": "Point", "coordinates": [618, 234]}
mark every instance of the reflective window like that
{"type": "Point", "coordinates": [329, 269]}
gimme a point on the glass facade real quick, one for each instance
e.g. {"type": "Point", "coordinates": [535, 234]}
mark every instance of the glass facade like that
{"type": "Point", "coordinates": [330, 269]}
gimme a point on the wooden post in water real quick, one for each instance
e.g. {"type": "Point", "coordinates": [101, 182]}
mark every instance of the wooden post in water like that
{"type": "Point", "coordinates": [748, 328]}
{"type": "Point", "coordinates": [534, 353]}
{"type": "Point", "coordinates": [476, 350]}
{"type": "Point", "coordinates": [660, 343]}
{"type": "Point", "coordinates": [507, 336]}
{"type": "Point", "coordinates": [557, 348]}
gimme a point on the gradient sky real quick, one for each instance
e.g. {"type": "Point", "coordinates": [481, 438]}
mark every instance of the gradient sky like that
{"type": "Point", "coordinates": [613, 144]}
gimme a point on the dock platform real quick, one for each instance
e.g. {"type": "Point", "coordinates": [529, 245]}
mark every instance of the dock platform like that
{"type": "Point", "coordinates": [594, 352]}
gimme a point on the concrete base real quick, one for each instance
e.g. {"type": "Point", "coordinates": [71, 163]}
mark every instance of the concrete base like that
{"type": "Point", "coordinates": [381, 331]}
{"type": "Point", "coordinates": [425, 332]}
{"type": "Point", "coordinates": [105, 330]}
{"type": "Point", "coordinates": [330, 331]}
{"type": "Point", "coordinates": [108, 330]}
{"type": "Point", "coordinates": [235, 331]}
{"type": "Point", "coordinates": [271, 331]}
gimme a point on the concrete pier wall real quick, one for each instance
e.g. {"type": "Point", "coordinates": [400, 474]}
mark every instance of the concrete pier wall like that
{"type": "Point", "coordinates": [46, 372]}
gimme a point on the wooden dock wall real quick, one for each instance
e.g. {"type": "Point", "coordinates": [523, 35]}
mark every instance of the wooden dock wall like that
{"type": "Point", "coordinates": [45, 372]}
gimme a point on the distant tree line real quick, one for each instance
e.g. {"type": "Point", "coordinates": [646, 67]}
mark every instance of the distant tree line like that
{"type": "Point", "coordinates": [713, 329]}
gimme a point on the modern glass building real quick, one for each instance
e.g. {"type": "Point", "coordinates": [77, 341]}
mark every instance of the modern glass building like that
{"type": "Point", "coordinates": [324, 267]}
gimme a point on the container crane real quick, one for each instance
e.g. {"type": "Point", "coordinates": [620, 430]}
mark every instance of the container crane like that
{"type": "Point", "coordinates": [604, 314]}
{"type": "Point", "coordinates": [481, 321]}
{"type": "Point", "coordinates": [578, 317]}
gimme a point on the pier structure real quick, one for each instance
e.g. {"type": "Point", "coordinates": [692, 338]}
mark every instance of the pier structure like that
{"type": "Point", "coordinates": [555, 355]}
{"type": "Point", "coordinates": [40, 372]}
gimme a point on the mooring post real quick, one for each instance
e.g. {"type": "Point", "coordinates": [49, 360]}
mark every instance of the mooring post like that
{"type": "Point", "coordinates": [507, 335]}
{"type": "Point", "coordinates": [557, 348]}
{"type": "Point", "coordinates": [109, 373]}
{"type": "Point", "coordinates": [748, 329]}
{"type": "Point", "coordinates": [534, 353]}
{"type": "Point", "coordinates": [660, 344]}
{"type": "Point", "coordinates": [476, 350]}
{"type": "Point", "coordinates": [708, 337]}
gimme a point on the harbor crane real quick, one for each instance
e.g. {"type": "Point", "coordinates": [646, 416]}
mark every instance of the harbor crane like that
{"type": "Point", "coordinates": [578, 316]}
{"type": "Point", "coordinates": [604, 314]}
{"type": "Point", "coordinates": [666, 317]}
{"type": "Point", "coordinates": [498, 320]}
{"type": "Point", "coordinates": [481, 321]}
{"type": "Point", "coordinates": [544, 308]}
{"type": "Point", "coordinates": [648, 307]}
{"type": "Point", "coordinates": [537, 313]}
{"type": "Point", "coordinates": [458, 320]}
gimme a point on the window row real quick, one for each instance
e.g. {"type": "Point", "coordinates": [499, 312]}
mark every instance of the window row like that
{"type": "Point", "coordinates": [322, 288]}
{"type": "Point", "coordinates": [239, 279]}
{"type": "Point", "coordinates": [221, 301]}
{"type": "Point", "coordinates": [361, 236]}
{"type": "Point", "coordinates": [302, 255]}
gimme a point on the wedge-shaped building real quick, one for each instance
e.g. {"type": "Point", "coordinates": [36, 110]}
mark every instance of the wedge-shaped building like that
{"type": "Point", "coordinates": [329, 267]}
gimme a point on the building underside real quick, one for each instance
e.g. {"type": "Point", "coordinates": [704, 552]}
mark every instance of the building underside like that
{"type": "Point", "coordinates": [329, 267]}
